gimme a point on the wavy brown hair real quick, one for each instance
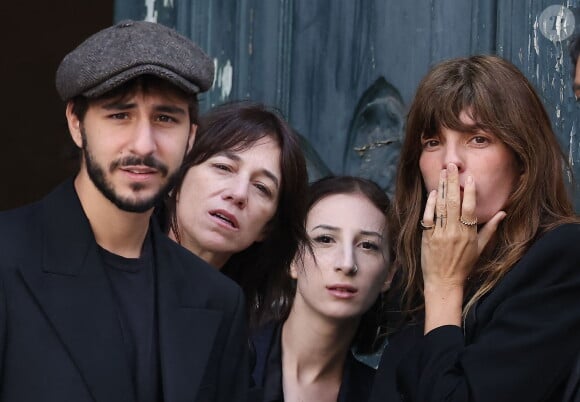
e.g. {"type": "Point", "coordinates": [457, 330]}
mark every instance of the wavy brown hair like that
{"type": "Point", "coordinates": [501, 101]}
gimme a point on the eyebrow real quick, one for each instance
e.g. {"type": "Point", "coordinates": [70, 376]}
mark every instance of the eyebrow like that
{"type": "Point", "coordinates": [233, 156]}
{"type": "Point", "coordinates": [335, 229]}
{"type": "Point", "coordinates": [115, 105]}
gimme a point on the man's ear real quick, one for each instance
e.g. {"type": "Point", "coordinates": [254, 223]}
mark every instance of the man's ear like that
{"type": "Point", "coordinates": [74, 125]}
{"type": "Point", "coordinates": [191, 138]}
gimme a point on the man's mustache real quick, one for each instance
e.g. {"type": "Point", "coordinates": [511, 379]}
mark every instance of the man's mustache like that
{"type": "Point", "coordinates": [132, 160]}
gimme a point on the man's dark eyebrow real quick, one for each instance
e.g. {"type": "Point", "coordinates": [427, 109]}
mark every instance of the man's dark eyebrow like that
{"type": "Point", "coordinates": [119, 105]}
{"type": "Point", "coordinates": [171, 109]}
{"type": "Point", "coordinates": [231, 155]}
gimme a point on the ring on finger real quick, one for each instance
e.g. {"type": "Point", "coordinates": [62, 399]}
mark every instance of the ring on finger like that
{"type": "Point", "coordinates": [468, 223]}
{"type": "Point", "coordinates": [426, 227]}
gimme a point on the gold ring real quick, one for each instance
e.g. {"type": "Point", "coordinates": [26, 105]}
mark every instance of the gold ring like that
{"type": "Point", "coordinates": [426, 227]}
{"type": "Point", "coordinates": [468, 223]}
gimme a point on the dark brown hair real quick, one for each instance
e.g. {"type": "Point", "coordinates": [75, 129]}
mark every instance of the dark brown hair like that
{"type": "Point", "coordinates": [237, 126]}
{"type": "Point", "coordinates": [366, 340]}
{"type": "Point", "coordinates": [501, 101]}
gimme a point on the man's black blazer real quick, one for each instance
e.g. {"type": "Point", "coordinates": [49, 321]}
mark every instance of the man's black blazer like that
{"type": "Point", "coordinates": [60, 339]}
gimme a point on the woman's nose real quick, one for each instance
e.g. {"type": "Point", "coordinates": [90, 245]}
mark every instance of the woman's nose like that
{"type": "Point", "coordinates": [238, 194]}
{"type": "Point", "coordinates": [453, 154]}
{"type": "Point", "coordinates": [346, 262]}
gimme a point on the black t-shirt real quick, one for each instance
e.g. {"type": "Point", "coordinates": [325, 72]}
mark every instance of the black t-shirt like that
{"type": "Point", "coordinates": [133, 281]}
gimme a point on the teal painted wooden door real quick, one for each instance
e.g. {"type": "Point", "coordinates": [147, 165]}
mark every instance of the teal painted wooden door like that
{"type": "Point", "coordinates": [344, 71]}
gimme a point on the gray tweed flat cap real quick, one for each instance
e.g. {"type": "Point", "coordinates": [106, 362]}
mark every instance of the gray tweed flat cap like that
{"type": "Point", "coordinates": [129, 49]}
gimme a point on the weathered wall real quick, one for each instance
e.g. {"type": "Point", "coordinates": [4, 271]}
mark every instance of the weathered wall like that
{"type": "Point", "coordinates": [343, 71]}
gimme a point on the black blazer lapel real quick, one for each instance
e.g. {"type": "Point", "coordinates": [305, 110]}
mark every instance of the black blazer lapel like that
{"type": "Point", "coordinates": [186, 328]}
{"type": "Point", "coordinates": [74, 292]}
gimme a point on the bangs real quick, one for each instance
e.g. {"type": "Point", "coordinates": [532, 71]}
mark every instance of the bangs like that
{"type": "Point", "coordinates": [247, 139]}
{"type": "Point", "coordinates": [446, 112]}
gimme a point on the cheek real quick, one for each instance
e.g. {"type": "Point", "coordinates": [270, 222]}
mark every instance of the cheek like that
{"type": "Point", "coordinates": [373, 289]}
{"type": "Point", "coordinates": [429, 171]}
{"type": "Point", "coordinates": [184, 212]}
{"type": "Point", "coordinates": [378, 276]}
{"type": "Point", "coordinates": [173, 147]}
{"type": "Point", "coordinates": [186, 197]}
{"type": "Point", "coordinates": [496, 184]}
{"type": "Point", "coordinates": [309, 278]}
{"type": "Point", "coordinates": [314, 264]}
{"type": "Point", "coordinates": [262, 216]}
{"type": "Point", "coordinates": [492, 196]}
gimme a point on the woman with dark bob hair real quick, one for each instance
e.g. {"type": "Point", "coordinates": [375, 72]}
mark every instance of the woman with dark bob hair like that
{"type": "Point", "coordinates": [487, 244]}
{"type": "Point", "coordinates": [239, 199]}
{"type": "Point", "coordinates": [332, 298]}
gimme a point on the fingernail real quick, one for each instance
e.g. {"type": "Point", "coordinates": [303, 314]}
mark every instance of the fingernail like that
{"type": "Point", "coordinates": [452, 167]}
{"type": "Point", "coordinates": [469, 179]}
{"type": "Point", "coordinates": [443, 174]}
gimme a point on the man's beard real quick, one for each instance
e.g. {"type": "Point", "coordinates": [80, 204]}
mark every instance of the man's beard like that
{"type": "Point", "coordinates": [97, 175]}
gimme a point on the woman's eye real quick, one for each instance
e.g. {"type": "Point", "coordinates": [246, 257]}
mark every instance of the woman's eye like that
{"type": "Point", "coordinates": [263, 189]}
{"type": "Point", "coordinates": [221, 166]}
{"type": "Point", "coordinates": [479, 140]}
{"type": "Point", "coordinates": [430, 143]}
{"type": "Point", "coordinates": [369, 245]}
{"type": "Point", "coordinates": [323, 239]}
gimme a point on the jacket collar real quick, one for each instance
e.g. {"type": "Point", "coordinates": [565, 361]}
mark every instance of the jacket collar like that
{"type": "Point", "coordinates": [73, 290]}
{"type": "Point", "coordinates": [187, 325]}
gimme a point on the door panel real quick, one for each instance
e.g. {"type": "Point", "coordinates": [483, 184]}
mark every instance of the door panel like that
{"type": "Point", "coordinates": [343, 71]}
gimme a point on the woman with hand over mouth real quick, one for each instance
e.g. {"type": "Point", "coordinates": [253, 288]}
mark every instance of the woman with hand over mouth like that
{"type": "Point", "coordinates": [487, 244]}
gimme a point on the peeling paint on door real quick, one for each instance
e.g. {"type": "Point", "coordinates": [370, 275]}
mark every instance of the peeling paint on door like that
{"type": "Point", "coordinates": [151, 12]}
{"type": "Point", "coordinates": [225, 75]}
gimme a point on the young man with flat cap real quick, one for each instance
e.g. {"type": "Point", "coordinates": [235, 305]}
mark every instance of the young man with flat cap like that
{"type": "Point", "coordinates": [96, 303]}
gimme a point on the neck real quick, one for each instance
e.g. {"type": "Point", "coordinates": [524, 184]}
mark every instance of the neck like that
{"type": "Point", "coordinates": [215, 259]}
{"type": "Point", "coordinates": [315, 347]}
{"type": "Point", "coordinates": [117, 231]}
